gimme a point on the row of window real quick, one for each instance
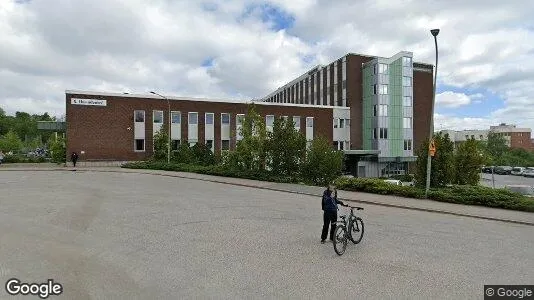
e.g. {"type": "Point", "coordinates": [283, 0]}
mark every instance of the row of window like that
{"type": "Point", "coordinates": [381, 110]}
{"type": "Point", "coordinates": [381, 68]}
{"type": "Point", "coordinates": [381, 133]}
{"type": "Point", "coordinates": [341, 145]}
{"type": "Point", "coordinates": [303, 93]}
{"type": "Point", "coordinates": [140, 144]}
{"type": "Point", "coordinates": [382, 89]}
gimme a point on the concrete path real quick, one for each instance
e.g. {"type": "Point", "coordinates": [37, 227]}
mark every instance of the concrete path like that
{"type": "Point", "coordinates": [480, 212]}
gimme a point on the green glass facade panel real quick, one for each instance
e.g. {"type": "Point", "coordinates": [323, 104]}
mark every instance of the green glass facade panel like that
{"type": "Point", "coordinates": [395, 132]}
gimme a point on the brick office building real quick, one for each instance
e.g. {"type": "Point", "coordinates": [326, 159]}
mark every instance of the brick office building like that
{"type": "Point", "coordinates": [377, 110]}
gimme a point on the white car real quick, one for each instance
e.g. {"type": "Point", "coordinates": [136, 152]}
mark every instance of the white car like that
{"type": "Point", "coordinates": [528, 173]}
{"type": "Point", "coordinates": [518, 171]}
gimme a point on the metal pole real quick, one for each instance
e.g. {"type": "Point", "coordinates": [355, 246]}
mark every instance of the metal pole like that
{"type": "Point", "coordinates": [431, 133]}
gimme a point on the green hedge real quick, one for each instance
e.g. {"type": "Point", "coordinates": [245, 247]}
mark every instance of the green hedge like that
{"type": "Point", "coordinates": [471, 195]}
{"type": "Point", "coordinates": [216, 170]}
{"type": "Point", "coordinates": [23, 159]}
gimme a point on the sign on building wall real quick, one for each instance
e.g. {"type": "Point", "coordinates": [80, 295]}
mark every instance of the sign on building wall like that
{"type": "Point", "coordinates": [95, 102]}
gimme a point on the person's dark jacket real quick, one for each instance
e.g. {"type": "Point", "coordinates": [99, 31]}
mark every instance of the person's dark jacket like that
{"type": "Point", "coordinates": [74, 156]}
{"type": "Point", "coordinates": [330, 201]}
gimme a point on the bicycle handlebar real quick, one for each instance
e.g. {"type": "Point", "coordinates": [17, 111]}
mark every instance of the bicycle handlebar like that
{"type": "Point", "coordinates": [354, 207]}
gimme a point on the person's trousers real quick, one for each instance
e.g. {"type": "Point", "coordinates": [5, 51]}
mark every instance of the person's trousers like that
{"type": "Point", "coordinates": [329, 218]}
{"type": "Point", "coordinates": [74, 162]}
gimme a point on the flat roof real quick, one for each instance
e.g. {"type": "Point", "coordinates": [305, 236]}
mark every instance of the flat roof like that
{"type": "Point", "coordinates": [175, 98]}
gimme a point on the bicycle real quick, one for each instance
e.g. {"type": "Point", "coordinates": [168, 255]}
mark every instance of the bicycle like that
{"type": "Point", "coordinates": [346, 229]}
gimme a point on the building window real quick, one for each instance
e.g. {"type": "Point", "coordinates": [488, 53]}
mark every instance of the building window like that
{"type": "Point", "coordinates": [407, 101]}
{"type": "Point", "coordinates": [344, 84]}
{"type": "Point", "coordinates": [407, 145]}
{"type": "Point", "coordinates": [407, 122]}
{"type": "Point", "coordinates": [383, 89]}
{"type": "Point", "coordinates": [380, 110]}
{"type": "Point", "coordinates": [336, 145]}
{"type": "Point", "coordinates": [225, 118]}
{"type": "Point", "coordinates": [209, 118]}
{"type": "Point", "coordinates": [139, 116]}
{"type": "Point", "coordinates": [192, 118]}
{"type": "Point", "coordinates": [347, 122]}
{"type": "Point", "coordinates": [383, 133]}
{"type": "Point", "coordinates": [336, 121]}
{"type": "Point", "coordinates": [225, 145]}
{"type": "Point", "coordinates": [407, 61]}
{"type": "Point", "coordinates": [481, 137]}
{"type": "Point", "coordinates": [176, 117]}
{"type": "Point", "coordinates": [341, 123]}
{"type": "Point", "coordinates": [375, 69]}
{"type": "Point", "coordinates": [209, 144]}
{"type": "Point", "coordinates": [158, 116]}
{"type": "Point", "coordinates": [140, 145]}
{"type": "Point", "coordinates": [375, 133]}
{"type": "Point", "coordinates": [406, 81]}
{"type": "Point", "coordinates": [383, 68]}
{"type": "Point", "coordinates": [239, 119]}
{"type": "Point", "coordinates": [296, 122]}
{"type": "Point", "coordinates": [466, 137]}
{"type": "Point", "coordinates": [175, 144]}
{"type": "Point", "coordinates": [269, 120]}
{"type": "Point", "coordinates": [472, 136]}
{"type": "Point", "coordinates": [309, 122]}
{"type": "Point", "coordinates": [374, 89]}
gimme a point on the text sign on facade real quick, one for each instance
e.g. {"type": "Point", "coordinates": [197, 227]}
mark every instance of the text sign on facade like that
{"type": "Point", "coordinates": [96, 102]}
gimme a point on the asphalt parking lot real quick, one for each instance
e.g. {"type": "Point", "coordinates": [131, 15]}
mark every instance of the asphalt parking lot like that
{"type": "Point", "coordinates": [503, 180]}
{"type": "Point", "coordinates": [138, 236]}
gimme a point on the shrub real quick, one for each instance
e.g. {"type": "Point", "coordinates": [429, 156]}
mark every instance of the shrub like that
{"type": "Point", "coordinates": [461, 194]}
{"type": "Point", "coordinates": [24, 159]}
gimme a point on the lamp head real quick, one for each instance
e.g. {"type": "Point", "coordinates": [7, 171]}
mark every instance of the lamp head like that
{"type": "Point", "coordinates": [434, 32]}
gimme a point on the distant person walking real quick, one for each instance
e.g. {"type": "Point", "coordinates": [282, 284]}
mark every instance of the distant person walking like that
{"type": "Point", "coordinates": [74, 158]}
{"type": "Point", "coordinates": [1, 157]}
{"type": "Point", "coordinates": [330, 208]}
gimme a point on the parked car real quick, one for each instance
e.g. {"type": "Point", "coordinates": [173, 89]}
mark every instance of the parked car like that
{"type": "Point", "coordinates": [518, 171]}
{"type": "Point", "coordinates": [503, 170]}
{"type": "Point", "coordinates": [528, 173]}
{"type": "Point", "coordinates": [487, 169]}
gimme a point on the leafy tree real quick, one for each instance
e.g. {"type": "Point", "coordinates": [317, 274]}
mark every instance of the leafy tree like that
{"type": "Point", "coordinates": [286, 148]}
{"type": "Point", "coordinates": [468, 161]}
{"type": "Point", "coordinates": [323, 163]}
{"type": "Point", "coordinates": [496, 145]}
{"type": "Point", "coordinates": [58, 150]}
{"type": "Point", "coordinates": [184, 154]}
{"type": "Point", "coordinates": [161, 142]}
{"type": "Point", "coordinates": [11, 142]}
{"type": "Point", "coordinates": [251, 149]}
{"type": "Point", "coordinates": [442, 166]}
{"type": "Point", "coordinates": [202, 154]}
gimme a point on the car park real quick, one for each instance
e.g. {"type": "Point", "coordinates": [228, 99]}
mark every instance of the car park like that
{"type": "Point", "coordinates": [529, 172]}
{"type": "Point", "coordinates": [518, 171]}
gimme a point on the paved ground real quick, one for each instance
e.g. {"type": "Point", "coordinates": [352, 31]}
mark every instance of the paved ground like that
{"type": "Point", "coordinates": [134, 236]}
{"type": "Point", "coordinates": [503, 180]}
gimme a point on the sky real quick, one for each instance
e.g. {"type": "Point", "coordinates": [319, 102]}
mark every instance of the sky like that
{"type": "Point", "coordinates": [236, 49]}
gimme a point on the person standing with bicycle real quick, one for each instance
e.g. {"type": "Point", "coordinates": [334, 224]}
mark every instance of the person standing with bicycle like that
{"type": "Point", "coordinates": [329, 204]}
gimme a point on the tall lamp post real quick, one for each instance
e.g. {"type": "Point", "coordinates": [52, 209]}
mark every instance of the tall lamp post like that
{"type": "Point", "coordinates": [435, 33]}
{"type": "Point", "coordinates": [169, 122]}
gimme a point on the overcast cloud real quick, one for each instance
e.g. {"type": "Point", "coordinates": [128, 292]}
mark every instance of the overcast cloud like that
{"type": "Point", "coordinates": [236, 49]}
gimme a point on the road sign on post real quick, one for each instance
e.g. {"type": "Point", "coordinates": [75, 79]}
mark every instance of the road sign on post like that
{"type": "Point", "coordinates": [432, 148]}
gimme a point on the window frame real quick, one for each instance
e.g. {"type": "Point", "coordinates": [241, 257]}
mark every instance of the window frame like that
{"type": "Point", "coordinates": [404, 82]}
{"type": "Point", "coordinates": [269, 118]}
{"type": "Point", "coordinates": [410, 102]}
{"type": "Point", "coordinates": [176, 113]}
{"type": "Point", "coordinates": [295, 123]}
{"type": "Point", "coordinates": [222, 119]}
{"type": "Point", "coordinates": [409, 124]}
{"type": "Point", "coordinates": [135, 116]}
{"type": "Point", "coordinates": [307, 122]}
{"type": "Point", "coordinates": [135, 145]}
{"type": "Point", "coordinates": [154, 116]}
{"type": "Point", "coordinates": [239, 118]}
{"type": "Point", "coordinates": [212, 118]}
{"type": "Point", "coordinates": [189, 118]}
{"type": "Point", "coordinates": [222, 142]}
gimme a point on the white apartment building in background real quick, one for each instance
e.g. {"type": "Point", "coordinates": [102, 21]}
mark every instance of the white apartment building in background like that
{"type": "Point", "coordinates": [514, 136]}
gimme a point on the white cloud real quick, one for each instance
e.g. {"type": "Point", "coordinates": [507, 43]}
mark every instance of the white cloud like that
{"type": "Point", "coordinates": [137, 46]}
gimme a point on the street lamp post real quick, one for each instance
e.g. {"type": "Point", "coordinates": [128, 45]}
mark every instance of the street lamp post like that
{"type": "Point", "coordinates": [431, 133]}
{"type": "Point", "coordinates": [169, 128]}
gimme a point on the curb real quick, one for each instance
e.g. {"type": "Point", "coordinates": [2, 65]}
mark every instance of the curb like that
{"type": "Point", "coordinates": [289, 191]}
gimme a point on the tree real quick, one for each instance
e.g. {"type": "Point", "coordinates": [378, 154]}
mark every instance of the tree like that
{"type": "Point", "coordinates": [323, 163]}
{"type": "Point", "coordinates": [58, 150]}
{"type": "Point", "coordinates": [496, 145]}
{"type": "Point", "coordinates": [202, 154]}
{"type": "Point", "coordinates": [161, 142]}
{"type": "Point", "coordinates": [11, 142]}
{"type": "Point", "coordinates": [251, 149]}
{"type": "Point", "coordinates": [442, 166]}
{"type": "Point", "coordinates": [286, 148]}
{"type": "Point", "coordinates": [184, 154]}
{"type": "Point", "coordinates": [468, 161]}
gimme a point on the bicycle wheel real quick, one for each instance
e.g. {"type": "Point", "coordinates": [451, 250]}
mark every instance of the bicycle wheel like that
{"type": "Point", "coordinates": [340, 240]}
{"type": "Point", "coordinates": [356, 230]}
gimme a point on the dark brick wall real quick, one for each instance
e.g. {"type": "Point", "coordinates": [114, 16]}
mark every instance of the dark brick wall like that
{"type": "Point", "coordinates": [354, 97]}
{"type": "Point", "coordinates": [422, 99]}
{"type": "Point", "coordinates": [521, 140]}
{"type": "Point", "coordinates": [102, 132]}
